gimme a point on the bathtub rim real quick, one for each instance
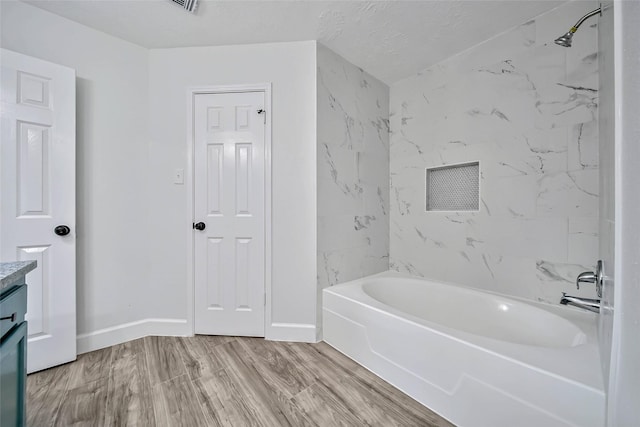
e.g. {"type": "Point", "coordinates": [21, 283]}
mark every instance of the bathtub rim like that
{"type": "Point", "coordinates": [561, 362]}
{"type": "Point", "coordinates": [523, 310]}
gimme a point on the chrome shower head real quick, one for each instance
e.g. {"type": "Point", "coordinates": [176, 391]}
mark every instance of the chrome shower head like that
{"type": "Point", "coordinates": [565, 39]}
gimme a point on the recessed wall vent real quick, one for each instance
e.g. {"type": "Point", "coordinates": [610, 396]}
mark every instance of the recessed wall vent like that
{"type": "Point", "coordinates": [188, 5]}
{"type": "Point", "coordinates": [453, 188]}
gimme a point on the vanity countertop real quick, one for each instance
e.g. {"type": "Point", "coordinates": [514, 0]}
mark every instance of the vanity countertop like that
{"type": "Point", "coordinates": [10, 271]}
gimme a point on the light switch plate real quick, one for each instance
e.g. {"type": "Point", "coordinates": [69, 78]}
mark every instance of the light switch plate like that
{"type": "Point", "coordinates": [178, 176]}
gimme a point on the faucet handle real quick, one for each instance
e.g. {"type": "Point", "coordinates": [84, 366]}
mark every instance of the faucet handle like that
{"type": "Point", "coordinates": [586, 277]}
{"type": "Point", "coordinates": [591, 277]}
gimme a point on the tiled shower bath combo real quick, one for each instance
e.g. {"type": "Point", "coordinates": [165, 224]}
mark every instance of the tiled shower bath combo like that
{"type": "Point", "coordinates": [493, 185]}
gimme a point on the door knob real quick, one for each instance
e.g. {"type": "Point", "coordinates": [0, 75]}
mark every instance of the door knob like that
{"type": "Point", "coordinates": [62, 230]}
{"type": "Point", "coordinates": [199, 226]}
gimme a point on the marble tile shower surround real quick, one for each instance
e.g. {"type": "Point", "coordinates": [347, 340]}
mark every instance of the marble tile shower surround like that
{"type": "Point", "coordinates": [527, 110]}
{"type": "Point", "coordinates": [353, 171]}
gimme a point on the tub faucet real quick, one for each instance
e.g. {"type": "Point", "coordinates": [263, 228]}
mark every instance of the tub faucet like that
{"type": "Point", "coordinates": [584, 303]}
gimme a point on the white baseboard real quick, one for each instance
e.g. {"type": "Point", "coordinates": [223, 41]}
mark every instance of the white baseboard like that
{"type": "Point", "coordinates": [130, 331]}
{"type": "Point", "coordinates": [296, 332]}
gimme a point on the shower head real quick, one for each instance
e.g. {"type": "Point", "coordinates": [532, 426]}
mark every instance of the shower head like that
{"type": "Point", "coordinates": [565, 39]}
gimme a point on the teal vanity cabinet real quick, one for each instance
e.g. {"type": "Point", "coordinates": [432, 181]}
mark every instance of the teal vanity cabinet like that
{"type": "Point", "coordinates": [13, 342]}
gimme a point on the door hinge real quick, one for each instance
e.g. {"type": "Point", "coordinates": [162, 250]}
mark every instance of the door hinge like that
{"type": "Point", "coordinates": [265, 299]}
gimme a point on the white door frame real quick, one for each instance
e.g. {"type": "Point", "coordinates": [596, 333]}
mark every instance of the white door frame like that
{"type": "Point", "coordinates": [190, 187]}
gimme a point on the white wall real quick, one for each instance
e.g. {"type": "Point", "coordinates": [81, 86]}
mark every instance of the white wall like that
{"type": "Point", "coordinates": [527, 110]}
{"type": "Point", "coordinates": [112, 135]}
{"type": "Point", "coordinates": [353, 172]}
{"type": "Point", "coordinates": [131, 104]}
{"type": "Point", "coordinates": [291, 67]}
{"type": "Point", "coordinates": [606, 211]}
{"type": "Point", "coordinates": [624, 379]}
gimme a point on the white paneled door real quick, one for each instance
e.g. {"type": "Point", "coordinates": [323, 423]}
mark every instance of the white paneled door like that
{"type": "Point", "coordinates": [37, 215]}
{"type": "Point", "coordinates": [229, 213]}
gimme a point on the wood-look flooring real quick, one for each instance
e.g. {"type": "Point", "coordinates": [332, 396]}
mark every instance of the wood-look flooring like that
{"type": "Point", "coordinates": [218, 381]}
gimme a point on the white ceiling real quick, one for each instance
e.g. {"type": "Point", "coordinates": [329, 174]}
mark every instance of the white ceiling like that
{"type": "Point", "coordinates": [389, 39]}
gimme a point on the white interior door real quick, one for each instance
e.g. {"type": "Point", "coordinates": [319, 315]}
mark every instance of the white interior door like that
{"type": "Point", "coordinates": [229, 199]}
{"type": "Point", "coordinates": [38, 195]}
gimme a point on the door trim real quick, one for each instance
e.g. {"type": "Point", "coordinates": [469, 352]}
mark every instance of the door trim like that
{"type": "Point", "coordinates": [190, 186]}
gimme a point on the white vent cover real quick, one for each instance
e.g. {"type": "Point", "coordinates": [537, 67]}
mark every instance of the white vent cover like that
{"type": "Point", "coordinates": [453, 188]}
{"type": "Point", "coordinates": [188, 5]}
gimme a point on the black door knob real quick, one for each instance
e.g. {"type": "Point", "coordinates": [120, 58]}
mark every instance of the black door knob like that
{"type": "Point", "coordinates": [62, 230]}
{"type": "Point", "coordinates": [199, 226]}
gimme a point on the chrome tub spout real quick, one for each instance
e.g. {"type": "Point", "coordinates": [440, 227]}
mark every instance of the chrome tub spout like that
{"type": "Point", "coordinates": [584, 303]}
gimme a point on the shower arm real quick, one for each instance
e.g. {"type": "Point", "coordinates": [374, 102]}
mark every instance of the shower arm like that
{"type": "Point", "coordinates": [584, 18]}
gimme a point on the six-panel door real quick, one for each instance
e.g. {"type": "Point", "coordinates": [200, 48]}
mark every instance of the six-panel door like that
{"type": "Point", "coordinates": [229, 197]}
{"type": "Point", "coordinates": [38, 194]}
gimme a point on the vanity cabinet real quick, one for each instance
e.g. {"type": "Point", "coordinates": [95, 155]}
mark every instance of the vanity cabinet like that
{"type": "Point", "coordinates": [13, 343]}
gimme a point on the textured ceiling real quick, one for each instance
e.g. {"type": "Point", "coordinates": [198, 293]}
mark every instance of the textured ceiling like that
{"type": "Point", "coordinates": [389, 39]}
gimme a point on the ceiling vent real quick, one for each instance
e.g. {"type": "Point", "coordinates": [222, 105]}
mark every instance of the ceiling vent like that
{"type": "Point", "coordinates": [188, 5]}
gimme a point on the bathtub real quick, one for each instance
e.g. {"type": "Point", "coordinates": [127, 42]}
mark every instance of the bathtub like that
{"type": "Point", "coordinates": [476, 358]}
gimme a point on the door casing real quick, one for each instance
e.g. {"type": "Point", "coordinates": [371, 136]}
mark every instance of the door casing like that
{"type": "Point", "coordinates": [190, 187]}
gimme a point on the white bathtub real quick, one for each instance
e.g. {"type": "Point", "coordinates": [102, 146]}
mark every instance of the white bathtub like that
{"type": "Point", "coordinates": [476, 358]}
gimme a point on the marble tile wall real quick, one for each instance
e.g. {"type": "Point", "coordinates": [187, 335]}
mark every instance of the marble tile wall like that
{"type": "Point", "coordinates": [526, 109]}
{"type": "Point", "coordinates": [353, 171]}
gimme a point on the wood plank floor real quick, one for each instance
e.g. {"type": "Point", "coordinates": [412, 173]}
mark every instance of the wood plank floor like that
{"type": "Point", "coordinates": [218, 381]}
